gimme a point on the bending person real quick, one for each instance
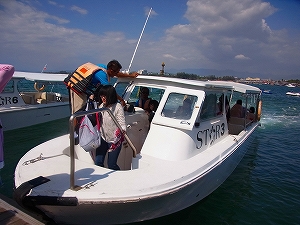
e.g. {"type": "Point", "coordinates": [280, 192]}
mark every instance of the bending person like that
{"type": "Point", "coordinates": [102, 77]}
{"type": "Point", "coordinates": [111, 136]}
{"type": "Point", "coordinates": [112, 69]}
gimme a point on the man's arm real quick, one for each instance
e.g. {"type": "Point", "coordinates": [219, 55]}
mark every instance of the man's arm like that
{"type": "Point", "coordinates": [133, 74]}
{"type": "Point", "coordinates": [123, 103]}
{"type": "Point", "coordinates": [120, 74]}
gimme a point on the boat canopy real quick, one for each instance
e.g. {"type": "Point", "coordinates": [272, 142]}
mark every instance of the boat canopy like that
{"type": "Point", "coordinates": [243, 88]}
{"type": "Point", "coordinates": [176, 82]}
{"type": "Point", "coordinates": [40, 76]}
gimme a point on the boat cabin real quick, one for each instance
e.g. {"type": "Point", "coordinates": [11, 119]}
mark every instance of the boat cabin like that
{"type": "Point", "coordinates": [181, 155]}
{"type": "Point", "coordinates": [20, 91]}
{"type": "Point", "coordinates": [191, 117]}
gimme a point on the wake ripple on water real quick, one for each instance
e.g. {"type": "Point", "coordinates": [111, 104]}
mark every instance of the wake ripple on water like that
{"type": "Point", "coordinates": [281, 117]}
{"type": "Point", "coordinates": [277, 181]}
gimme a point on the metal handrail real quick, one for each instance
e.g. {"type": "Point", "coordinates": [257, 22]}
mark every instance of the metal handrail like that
{"type": "Point", "coordinates": [72, 139]}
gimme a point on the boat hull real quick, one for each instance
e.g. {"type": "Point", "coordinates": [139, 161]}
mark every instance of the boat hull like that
{"type": "Point", "coordinates": [180, 158]}
{"type": "Point", "coordinates": [293, 93]}
{"type": "Point", "coordinates": [24, 116]}
{"type": "Point", "coordinates": [161, 204]}
{"type": "Point", "coordinates": [21, 106]}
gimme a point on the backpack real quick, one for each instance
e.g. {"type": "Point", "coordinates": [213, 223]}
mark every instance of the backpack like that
{"type": "Point", "coordinates": [80, 80]}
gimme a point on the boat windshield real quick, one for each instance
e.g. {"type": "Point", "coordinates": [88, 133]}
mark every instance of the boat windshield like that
{"type": "Point", "coordinates": [135, 92]}
{"type": "Point", "coordinates": [121, 88]}
{"type": "Point", "coordinates": [9, 88]}
{"type": "Point", "coordinates": [24, 85]}
{"type": "Point", "coordinates": [154, 94]}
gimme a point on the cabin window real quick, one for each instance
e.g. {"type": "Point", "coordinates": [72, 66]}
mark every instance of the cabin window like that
{"type": "Point", "coordinates": [179, 106]}
{"type": "Point", "coordinates": [9, 88]}
{"type": "Point", "coordinates": [249, 103]}
{"type": "Point", "coordinates": [213, 105]}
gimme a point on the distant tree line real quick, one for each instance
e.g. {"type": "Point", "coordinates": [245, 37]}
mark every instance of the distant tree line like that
{"type": "Point", "coordinates": [192, 76]}
{"type": "Point", "coordinates": [59, 72]}
{"type": "Point", "coordinates": [294, 81]}
{"type": "Point", "coordinates": [188, 76]}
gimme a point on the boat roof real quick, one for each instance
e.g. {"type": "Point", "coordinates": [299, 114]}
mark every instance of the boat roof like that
{"type": "Point", "coordinates": [239, 87]}
{"type": "Point", "coordinates": [40, 76]}
{"type": "Point", "coordinates": [228, 85]}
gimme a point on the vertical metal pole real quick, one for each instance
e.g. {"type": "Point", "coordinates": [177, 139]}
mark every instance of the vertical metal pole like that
{"type": "Point", "coordinates": [72, 139]}
{"type": "Point", "coordinates": [139, 41]}
{"type": "Point", "coordinates": [246, 109]}
{"type": "Point", "coordinates": [72, 153]}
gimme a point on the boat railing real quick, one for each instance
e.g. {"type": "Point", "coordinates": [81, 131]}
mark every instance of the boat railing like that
{"type": "Point", "coordinates": [72, 123]}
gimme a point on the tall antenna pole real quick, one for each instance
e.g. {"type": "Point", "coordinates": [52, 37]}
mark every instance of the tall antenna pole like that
{"type": "Point", "coordinates": [44, 68]}
{"type": "Point", "coordinates": [139, 41]}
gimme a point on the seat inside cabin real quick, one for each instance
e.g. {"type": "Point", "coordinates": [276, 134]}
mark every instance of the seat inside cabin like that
{"type": "Point", "coordinates": [137, 130]}
{"type": "Point", "coordinates": [236, 125]}
{"type": "Point", "coordinates": [32, 98]}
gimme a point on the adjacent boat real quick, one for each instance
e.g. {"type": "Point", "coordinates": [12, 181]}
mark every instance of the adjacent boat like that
{"type": "Point", "coordinates": [33, 98]}
{"type": "Point", "coordinates": [290, 85]}
{"type": "Point", "coordinates": [267, 92]}
{"type": "Point", "coordinates": [175, 161]}
{"type": "Point", "coordinates": [293, 93]}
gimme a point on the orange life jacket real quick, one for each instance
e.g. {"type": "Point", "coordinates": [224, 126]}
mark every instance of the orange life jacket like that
{"type": "Point", "coordinates": [80, 80]}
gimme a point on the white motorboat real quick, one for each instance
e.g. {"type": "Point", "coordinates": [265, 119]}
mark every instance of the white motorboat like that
{"type": "Point", "coordinates": [33, 98]}
{"type": "Point", "coordinates": [266, 91]}
{"type": "Point", "coordinates": [293, 93]}
{"type": "Point", "coordinates": [290, 85]}
{"type": "Point", "coordinates": [166, 166]}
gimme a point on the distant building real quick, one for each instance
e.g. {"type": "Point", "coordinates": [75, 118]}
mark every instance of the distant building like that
{"type": "Point", "coordinates": [162, 71]}
{"type": "Point", "coordinates": [252, 79]}
{"type": "Point", "coordinates": [143, 72]}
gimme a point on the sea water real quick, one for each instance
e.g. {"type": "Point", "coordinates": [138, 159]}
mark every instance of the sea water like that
{"type": "Point", "coordinates": [264, 188]}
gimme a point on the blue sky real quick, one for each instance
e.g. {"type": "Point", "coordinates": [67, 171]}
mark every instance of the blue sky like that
{"type": "Point", "coordinates": [250, 37]}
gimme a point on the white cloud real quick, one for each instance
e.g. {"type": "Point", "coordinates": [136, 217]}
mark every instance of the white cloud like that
{"type": "Point", "coordinates": [78, 9]}
{"type": "Point", "coordinates": [219, 30]}
{"type": "Point", "coordinates": [242, 57]}
{"type": "Point", "coordinates": [28, 41]}
{"type": "Point", "coordinates": [56, 4]}
{"type": "Point", "coordinates": [215, 35]}
{"type": "Point", "coordinates": [171, 57]}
